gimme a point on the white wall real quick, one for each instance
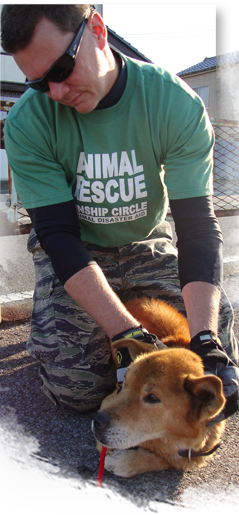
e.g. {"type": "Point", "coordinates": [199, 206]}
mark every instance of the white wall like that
{"type": "Point", "coordinates": [9, 70]}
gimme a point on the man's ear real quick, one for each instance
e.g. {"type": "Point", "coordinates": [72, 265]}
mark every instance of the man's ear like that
{"type": "Point", "coordinates": [135, 347]}
{"type": "Point", "coordinates": [206, 395]}
{"type": "Point", "coordinates": [98, 28]}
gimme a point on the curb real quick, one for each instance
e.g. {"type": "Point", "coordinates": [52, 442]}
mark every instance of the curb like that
{"type": "Point", "coordinates": [19, 311]}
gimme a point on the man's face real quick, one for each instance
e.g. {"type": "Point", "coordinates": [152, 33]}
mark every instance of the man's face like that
{"type": "Point", "coordinates": [90, 80]}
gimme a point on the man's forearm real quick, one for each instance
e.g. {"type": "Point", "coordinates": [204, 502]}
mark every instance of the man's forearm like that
{"type": "Point", "coordinates": [90, 289]}
{"type": "Point", "coordinates": [202, 301]}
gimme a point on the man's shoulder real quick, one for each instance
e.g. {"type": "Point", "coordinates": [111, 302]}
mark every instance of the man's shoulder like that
{"type": "Point", "coordinates": [154, 74]}
{"type": "Point", "coordinates": [27, 105]}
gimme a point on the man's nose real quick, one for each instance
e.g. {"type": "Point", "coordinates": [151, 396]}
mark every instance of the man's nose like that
{"type": "Point", "coordinates": [58, 90]}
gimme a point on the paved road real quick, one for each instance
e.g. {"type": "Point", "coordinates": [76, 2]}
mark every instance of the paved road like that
{"type": "Point", "coordinates": [48, 459]}
{"type": "Point", "coordinates": [17, 271]}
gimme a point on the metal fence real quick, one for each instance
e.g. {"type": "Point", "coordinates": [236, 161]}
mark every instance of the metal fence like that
{"type": "Point", "coordinates": [226, 178]}
{"type": "Point", "coordinates": [226, 168]}
{"type": "Point", "coordinates": [13, 217]}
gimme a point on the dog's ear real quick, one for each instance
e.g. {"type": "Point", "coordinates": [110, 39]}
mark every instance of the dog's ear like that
{"type": "Point", "coordinates": [135, 347]}
{"type": "Point", "coordinates": [206, 395]}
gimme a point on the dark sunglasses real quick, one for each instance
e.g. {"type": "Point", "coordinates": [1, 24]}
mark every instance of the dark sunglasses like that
{"type": "Point", "coordinates": [63, 67]}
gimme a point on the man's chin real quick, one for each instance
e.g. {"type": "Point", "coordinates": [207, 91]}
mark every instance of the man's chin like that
{"type": "Point", "coordinates": [84, 109]}
{"type": "Point", "coordinates": [85, 106]}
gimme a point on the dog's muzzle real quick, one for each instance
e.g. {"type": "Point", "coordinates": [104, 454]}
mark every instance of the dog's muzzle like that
{"type": "Point", "coordinates": [101, 420]}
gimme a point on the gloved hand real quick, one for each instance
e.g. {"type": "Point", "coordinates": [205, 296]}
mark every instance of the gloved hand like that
{"type": "Point", "coordinates": [208, 346]}
{"type": "Point", "coordinates": [123, 355]}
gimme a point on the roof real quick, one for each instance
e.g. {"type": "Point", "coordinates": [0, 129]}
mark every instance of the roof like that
{"type": "Point", "coordinates": [123, 46]}
{"type": "Point", "coordinates": [210, 63]}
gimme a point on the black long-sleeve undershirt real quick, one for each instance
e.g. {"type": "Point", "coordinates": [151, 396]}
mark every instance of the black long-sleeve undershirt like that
{"type": "Point", "coordinates": [199, 240]}
{"type": "Point", "coordinates": [57, 228]}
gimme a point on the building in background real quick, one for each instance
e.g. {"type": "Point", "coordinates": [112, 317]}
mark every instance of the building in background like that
{"type": "Point", "coordinates": [216, 81]}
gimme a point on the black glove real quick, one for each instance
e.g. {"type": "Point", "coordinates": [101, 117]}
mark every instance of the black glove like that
{"type": "Point", "coordinates": [208, 346]}
{"type": "Point", "coordinates": [123, 355]}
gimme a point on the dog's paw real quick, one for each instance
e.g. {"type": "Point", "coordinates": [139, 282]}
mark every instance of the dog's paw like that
{"type": "Point", "coordinates": [122, 462]}
{"type": "Point", "coordinates": [116, 462]}
{"type": "Point", "coordinates": [99, 446]}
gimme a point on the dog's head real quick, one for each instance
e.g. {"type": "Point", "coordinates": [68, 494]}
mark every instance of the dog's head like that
{"type": "Point", "coordinates": [165, 394]}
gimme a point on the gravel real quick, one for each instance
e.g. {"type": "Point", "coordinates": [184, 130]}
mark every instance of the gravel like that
{"type": "Point", "coordinates": [49, 463]}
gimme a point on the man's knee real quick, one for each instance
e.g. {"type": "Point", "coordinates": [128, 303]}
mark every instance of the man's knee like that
{"type": "Point", "coordinates": [74, 391]}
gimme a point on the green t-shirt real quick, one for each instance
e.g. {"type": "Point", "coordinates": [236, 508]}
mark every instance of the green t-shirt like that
{"type": "Point", "coordinates": [121, 163]}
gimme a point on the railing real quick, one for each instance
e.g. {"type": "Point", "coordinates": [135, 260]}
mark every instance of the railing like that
{"type": "Point", "coordinates": [226, 168]}
{"type": "Point", "coordinates": [14, 215]}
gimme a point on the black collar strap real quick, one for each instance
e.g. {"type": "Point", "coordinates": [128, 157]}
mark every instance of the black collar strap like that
{"type": "Point", "coordinates": [160, 345]}
{"type": "Point", "coordinates": [139, 333]}
{"type": "Point", "coordinates": [188, 453]}
{"type": "Point", "coordinates": [129, 333]}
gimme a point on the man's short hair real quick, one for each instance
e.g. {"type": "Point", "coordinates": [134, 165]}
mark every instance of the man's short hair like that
{"type": "Point", "coordinates": [19, 21]}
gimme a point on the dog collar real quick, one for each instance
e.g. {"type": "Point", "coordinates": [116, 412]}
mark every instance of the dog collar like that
{"type": "Point", "coordinates": [135, 332]}
{"type": "Point", "coordinates": [189, 453]}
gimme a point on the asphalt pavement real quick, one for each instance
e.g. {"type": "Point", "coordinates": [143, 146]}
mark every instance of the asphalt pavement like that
{"type": "Point", "coordinates": [49, 462]}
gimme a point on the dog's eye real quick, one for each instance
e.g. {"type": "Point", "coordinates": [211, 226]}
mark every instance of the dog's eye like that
{"type": "Point", "coordinates": [152, 399]}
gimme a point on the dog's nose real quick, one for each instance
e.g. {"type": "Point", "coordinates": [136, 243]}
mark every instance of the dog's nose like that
{"type": "Point", "coordinates": [101, 419]}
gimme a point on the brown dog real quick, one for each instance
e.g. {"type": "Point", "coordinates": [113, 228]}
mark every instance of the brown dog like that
{"type": "Point", "coordinates": [166, 403]}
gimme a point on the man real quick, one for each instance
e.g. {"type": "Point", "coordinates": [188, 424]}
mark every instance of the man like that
{"type": "Point", "coordinates": [97, 145]}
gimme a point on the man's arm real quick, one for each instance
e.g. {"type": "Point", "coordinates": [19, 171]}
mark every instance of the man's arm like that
{"type": "Point", "coordinates": [90, 289]}
{"type": "Point", "coordinates": [202, 306]}
{"type": "Point", "coordinates": [58, 230]}
{"type": "Point", "coordinates": [200, 269]}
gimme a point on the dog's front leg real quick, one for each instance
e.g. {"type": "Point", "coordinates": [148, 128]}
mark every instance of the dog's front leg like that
{"type": "Point", "coordinates": [131, 462]}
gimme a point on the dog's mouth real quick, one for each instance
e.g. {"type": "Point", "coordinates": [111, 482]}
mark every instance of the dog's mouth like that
{"type": "Point", "coordinates": [102, 434]}
{"type": "Point", "coordinates": [114, 441]}
{"type": "Point", "coordinates": [107, 435]}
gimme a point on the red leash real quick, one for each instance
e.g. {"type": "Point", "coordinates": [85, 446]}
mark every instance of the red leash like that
{"type": "Point", "coordinates": [101, 467]}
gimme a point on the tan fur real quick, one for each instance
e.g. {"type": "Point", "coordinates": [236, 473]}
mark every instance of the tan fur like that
{"type": "Point", "coordinates": [186, 400]}
{"type": "Point", "coordinates": [159, 318]}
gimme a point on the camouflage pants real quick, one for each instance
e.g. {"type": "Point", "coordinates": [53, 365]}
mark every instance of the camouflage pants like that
{"type": "Point", "coordinates": [76, 366]}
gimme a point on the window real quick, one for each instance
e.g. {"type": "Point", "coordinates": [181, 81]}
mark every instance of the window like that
{"type": "Point", "coordinates": [203, 92]}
